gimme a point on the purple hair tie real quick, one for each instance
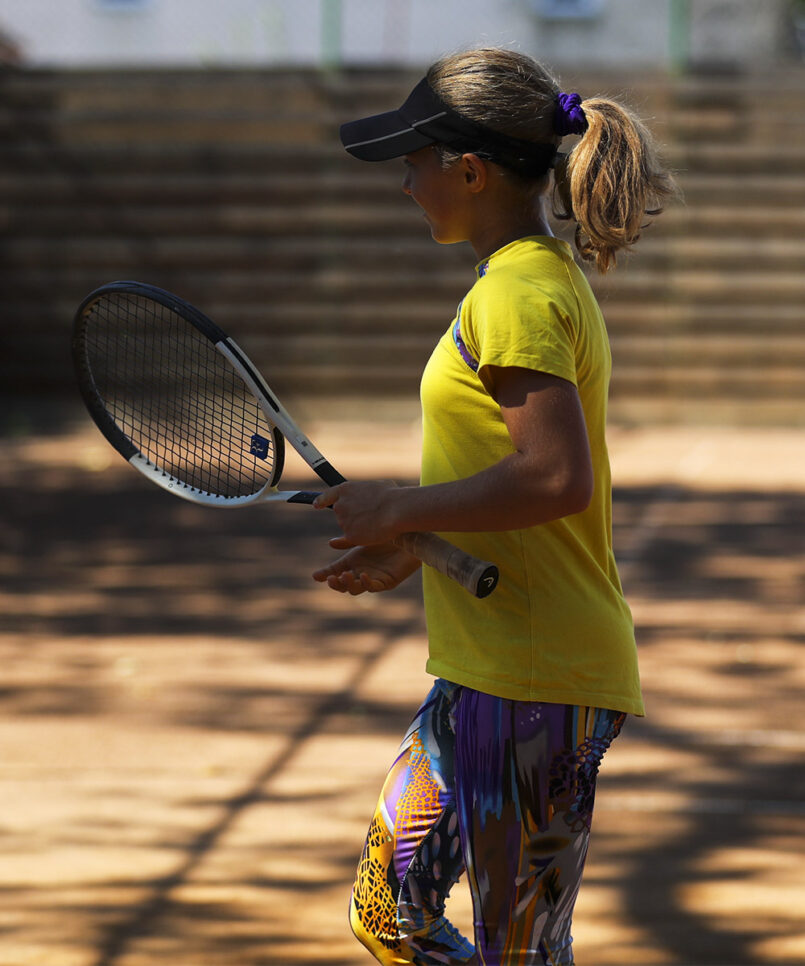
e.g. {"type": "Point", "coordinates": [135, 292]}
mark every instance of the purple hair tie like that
{"type": "Point", "coordinates": [569, 117]}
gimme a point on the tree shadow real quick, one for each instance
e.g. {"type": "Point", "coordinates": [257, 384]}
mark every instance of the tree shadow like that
{"type": "Point", "coordinates": [90, 559]}
{"type": "Point", "coordinates": [749, 795]}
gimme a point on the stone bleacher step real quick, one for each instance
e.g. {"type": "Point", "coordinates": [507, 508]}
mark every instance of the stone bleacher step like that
{"type": "Point", "coordinates": [391, 365]}
{"type": "Point", "coordinates": [705, 286]}
{"type": "Point", "coordinates": [94, 214]}
{"type": "Point", "coordinates": [230, 188]}
{"type": "Point", "coordinates": [195, 186]}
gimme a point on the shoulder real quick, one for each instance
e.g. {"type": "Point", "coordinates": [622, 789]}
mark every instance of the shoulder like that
{"type": "Point", "coordinates": [530, 288]}
{"type": "Point", "coordinates": [532, 271]}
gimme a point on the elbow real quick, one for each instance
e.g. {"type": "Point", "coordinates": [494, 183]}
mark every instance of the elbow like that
{"type": "Point", "coordinates": [574, 491]}
{"type": "Point", "coordinates": [579, 497]}
{"type": "Point", "coordinates": [566, 490]}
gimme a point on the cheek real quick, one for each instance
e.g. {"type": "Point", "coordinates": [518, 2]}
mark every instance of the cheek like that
{"type": "Point", "coordinates": [428, 193]}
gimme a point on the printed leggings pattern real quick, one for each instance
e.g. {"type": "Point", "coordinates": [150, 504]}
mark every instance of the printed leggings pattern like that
{"type": "Point", "coordinates": [503, 790]}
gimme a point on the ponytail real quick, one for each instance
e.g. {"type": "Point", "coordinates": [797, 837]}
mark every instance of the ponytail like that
{"type": "Point", "coordinates": [610, 181]}
{"type": "Point", "coordinates": [612, 178]}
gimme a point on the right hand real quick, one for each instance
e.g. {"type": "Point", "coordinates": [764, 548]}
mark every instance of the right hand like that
{"type": "Point", "coordinates": [372, 569]}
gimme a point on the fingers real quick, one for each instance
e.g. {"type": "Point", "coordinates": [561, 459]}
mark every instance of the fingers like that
{"type": "Point", "coordinates": [334, 569]}
{"type": "Point", "coordinates": [348, 581]}
{"type": "Point", "coordinates": [341, 543]}
{"type": "Point", "coordinates": [353, 584]}
{"type": "Point", "coordinates": [327, 497]}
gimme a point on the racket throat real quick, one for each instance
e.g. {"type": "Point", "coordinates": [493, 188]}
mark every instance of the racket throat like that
{"type": "Point", "coordinates": [327, 472]}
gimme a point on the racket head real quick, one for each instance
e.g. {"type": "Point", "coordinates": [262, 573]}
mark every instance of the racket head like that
{"type": "Point", "coordinates": [153, 378]}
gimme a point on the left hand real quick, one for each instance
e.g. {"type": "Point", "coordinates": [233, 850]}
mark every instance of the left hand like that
{"type": "Point", "coordinates": [379, 567]}
{"type": "Point", "coordinates": [363, 510]}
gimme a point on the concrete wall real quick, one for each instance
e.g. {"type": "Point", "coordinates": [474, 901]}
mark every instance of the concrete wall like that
{"type": "Point", "coordinates": [734, 31]}
{"type": "Point", "coordinates": [641, 33]}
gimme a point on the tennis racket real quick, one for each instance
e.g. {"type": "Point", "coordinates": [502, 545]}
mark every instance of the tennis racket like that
{"type": "Point", "coordinates": [183, 404]}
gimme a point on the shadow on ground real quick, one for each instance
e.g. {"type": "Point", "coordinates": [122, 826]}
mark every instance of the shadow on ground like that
{"type": "Point", "coordinates": [94, 564]}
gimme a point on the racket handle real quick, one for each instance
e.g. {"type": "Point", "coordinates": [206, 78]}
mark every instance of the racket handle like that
{"type": "Point", "coordinates": [479, 577]}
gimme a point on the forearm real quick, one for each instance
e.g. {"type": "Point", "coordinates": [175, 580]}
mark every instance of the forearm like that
{"type": "Point", "coordinates": [510, 495]}
{"type": "Point", "coordinates": [547, 475]}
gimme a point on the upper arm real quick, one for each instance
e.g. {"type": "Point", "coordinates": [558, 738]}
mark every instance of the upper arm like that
{"type": "Point", "coordinates": [545, 420]}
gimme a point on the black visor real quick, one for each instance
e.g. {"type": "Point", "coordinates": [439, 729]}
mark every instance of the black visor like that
{"type": "Point", "coordinates": [424, 119]}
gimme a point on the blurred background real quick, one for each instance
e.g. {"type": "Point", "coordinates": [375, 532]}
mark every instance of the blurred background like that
{"type": "Point", "coordinates": [196, 147]}
{"type": "Point", "coordinates": [191, 734]}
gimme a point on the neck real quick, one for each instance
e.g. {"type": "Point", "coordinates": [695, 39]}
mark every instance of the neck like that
{"type": "Point", "coordinates": [500, 231]}
{"type": "Point", "coordinates": [494, 244]}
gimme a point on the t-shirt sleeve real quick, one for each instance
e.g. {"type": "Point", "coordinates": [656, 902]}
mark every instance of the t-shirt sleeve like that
{"type": "Point", "coordinates": [511, 325]}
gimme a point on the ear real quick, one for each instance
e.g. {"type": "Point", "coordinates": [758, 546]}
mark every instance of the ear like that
{"type": "Point", "coordinates": [475, 171]}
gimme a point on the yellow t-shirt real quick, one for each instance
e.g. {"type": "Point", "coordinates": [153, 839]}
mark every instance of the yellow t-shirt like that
{"type": "Point", "coordinates": [557, 628]}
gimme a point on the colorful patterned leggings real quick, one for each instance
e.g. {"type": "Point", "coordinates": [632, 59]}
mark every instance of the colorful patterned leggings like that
{"type": "Point", "coordinates": [502, 790]}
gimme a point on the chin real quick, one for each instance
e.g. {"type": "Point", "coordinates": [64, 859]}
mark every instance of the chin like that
{"type": "Point", "coordinates": [442, 239]}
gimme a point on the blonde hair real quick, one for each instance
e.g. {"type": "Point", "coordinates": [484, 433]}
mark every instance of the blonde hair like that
{"type": "Point", "coordinates": [613, 176]}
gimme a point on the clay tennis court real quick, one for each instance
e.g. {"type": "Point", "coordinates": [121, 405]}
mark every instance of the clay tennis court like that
{"type": "Point", "coordinates": [192, 733]}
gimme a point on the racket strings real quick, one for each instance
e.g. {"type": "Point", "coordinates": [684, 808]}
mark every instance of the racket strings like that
{"type": "Point", "coordinates": [177, 398]}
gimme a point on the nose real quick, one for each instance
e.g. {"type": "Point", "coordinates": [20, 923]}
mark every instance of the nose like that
{"type": "Point", "coordinates": [406, 184]}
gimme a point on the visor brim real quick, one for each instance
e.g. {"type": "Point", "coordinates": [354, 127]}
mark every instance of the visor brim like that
{"type": "Point", "coordinates": [424, 119]}
{"type": "Point", "coordinates": [382, 137]}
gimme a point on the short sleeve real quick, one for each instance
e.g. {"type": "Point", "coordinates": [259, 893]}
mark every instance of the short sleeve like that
{"type": "Point", "coordinates": [511, 324]}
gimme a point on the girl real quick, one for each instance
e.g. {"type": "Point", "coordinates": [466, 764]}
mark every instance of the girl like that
{"type": "Point", "coordinates": [496, 775]}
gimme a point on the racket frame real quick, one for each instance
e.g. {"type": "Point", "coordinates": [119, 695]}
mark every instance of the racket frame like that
{"type": "Point", "coordinates": [479, 577]}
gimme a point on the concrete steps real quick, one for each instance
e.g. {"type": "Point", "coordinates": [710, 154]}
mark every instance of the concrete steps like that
{"type": "Point", "coordinates": [231, 189]}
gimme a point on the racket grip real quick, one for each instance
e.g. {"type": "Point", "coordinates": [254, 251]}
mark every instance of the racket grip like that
{"type": "Point", "coordinates": [479, 577]}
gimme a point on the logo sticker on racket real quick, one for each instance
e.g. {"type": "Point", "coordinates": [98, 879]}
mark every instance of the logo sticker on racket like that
{"type": "Point", "coordinates": [259, 447]}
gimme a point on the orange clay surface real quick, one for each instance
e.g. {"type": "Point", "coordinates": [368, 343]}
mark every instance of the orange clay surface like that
{"type": "Point", "coordinates": [193, 733]}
